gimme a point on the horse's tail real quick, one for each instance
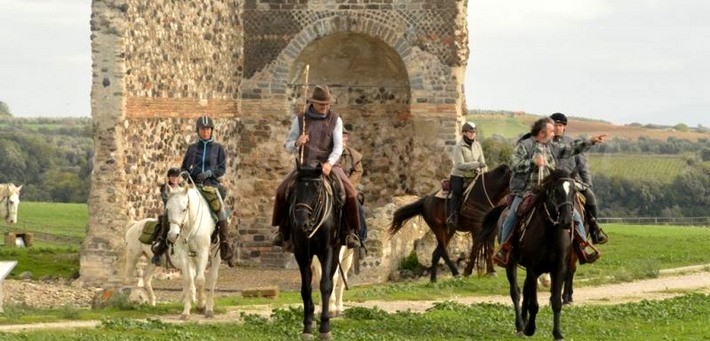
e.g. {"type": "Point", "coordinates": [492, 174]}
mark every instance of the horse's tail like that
{"type": "Point", "coordinates": [486, 237]}
{"type": "Point", "coordinates": [404, 213]}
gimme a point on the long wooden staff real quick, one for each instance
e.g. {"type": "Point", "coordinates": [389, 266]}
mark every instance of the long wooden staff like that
{"type": "Point", "coordinates": [305, 106]}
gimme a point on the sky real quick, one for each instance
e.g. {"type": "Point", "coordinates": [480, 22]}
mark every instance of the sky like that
{"type": "Point", "coordinates": [643, 61]}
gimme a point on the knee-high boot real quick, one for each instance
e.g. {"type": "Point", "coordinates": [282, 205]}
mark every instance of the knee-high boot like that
{"type": "Point", "coordinates": [598, 236]}
{"type": "Point", "coordinates": [225, 247]}
{"type": "Point", "coordinates": [454, 205]}
{"type": "Point", "coordinates": [160, 245]}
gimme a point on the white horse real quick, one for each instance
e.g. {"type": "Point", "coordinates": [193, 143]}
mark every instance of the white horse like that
{"type": "Point", "coordinates": [134, 250]}
{"type": "Point", "coordinates": [191, 228]}
{"type": "Point", "coordinates": [9, 202]}
{"type": "Point", "coordinates": [335, 304]}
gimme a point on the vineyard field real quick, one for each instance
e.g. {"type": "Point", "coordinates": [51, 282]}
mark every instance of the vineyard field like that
{"type": "Point", "coordinates": [636, 166]}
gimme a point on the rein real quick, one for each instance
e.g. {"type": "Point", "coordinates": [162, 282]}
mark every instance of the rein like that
{"type": "Point", "coordinates": [322, 209]}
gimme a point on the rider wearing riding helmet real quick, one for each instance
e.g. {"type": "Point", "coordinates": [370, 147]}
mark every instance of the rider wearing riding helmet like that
{"type": "Point", "coordinates": [206, 161]}
{"type": "Point", "coordinates": [468, 163]}
{"type": "Point", "coordinates": [578, 165]}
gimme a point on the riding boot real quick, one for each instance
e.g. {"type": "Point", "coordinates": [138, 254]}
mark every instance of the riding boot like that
{"type": "Point", "coordinates": [352, 216]}
{"type": "Point", "coordinates": [160, 245]}
{"type": "Point", "coordinates": [502, 257]}
{"type": "Point", "coordinates": [225, 247]}
{"type": "Point", "coordinates": [453, 221]}
{"type": "Point", "coordinates": [598, 236]}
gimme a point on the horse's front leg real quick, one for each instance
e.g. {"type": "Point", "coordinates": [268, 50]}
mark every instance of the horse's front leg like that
{"type": "Point", "coordinates": [212, 283]}
{"type": "Point", "coordinates": [512, 275]}
{"type": "Point", "coordinates": [326, 290]}
{"type": "Point", "coordinates": [346, 261]}
{"type": "Point", "coordinates": [188, 286]}
{"type": "Point", "coordinates": [200, 263]}
{"type": "Point", "coordinates": [304, 266]}
{"type": "Point", "coordinates": [530, 304]}
{"type": "Point", "coordinates": [556, 303]}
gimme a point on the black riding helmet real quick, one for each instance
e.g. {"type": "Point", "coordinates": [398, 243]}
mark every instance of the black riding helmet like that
{"type": "Point", "coordinates": [204, 122]}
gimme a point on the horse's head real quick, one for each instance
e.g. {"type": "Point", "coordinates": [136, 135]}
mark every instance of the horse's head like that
{"type": "Point", "coordinates": [178, 210]}
{"type": "Point", "coordinates": [11, 201]}
{"type": "Point", "coordinates": [558, 192]}
{"type": "Point", "coordinates": [498, 181]}
{"type": "Point", "coordinates": [308, 200]}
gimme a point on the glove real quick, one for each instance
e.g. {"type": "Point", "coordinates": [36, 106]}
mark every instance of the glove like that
{"type": "Point", "coordinates": [481, 165]}
{"type": "Point", "coordinates": [204, 175]}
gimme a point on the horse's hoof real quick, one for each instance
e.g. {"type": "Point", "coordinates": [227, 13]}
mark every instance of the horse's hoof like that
{"type": "Point", "coordinates": [209, 313]}
{"type": "Point", "coordinates": [492, 274]}
{"type": "Point", "coordinates": [325, 336]}
{"type": "Point", "coordinates": [306, 336]}
{"type": "Point", "coordinates": [184, 317]}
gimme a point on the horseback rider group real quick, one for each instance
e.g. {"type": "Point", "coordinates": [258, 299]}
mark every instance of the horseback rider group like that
{"type": "Point", "coordinates": [319, 140]}
{"type": "Point", "coordinates": [534, 157]}
{"type": "Point", "coordinates": [204, 162]}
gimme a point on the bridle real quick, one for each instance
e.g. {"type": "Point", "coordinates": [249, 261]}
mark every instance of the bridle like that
{"type": "Point", "coordinates": [560, 205]}
{"type": "Point", "coordinates": [187, 219]}
{"type": "Point", "coordinates": [322, 208]}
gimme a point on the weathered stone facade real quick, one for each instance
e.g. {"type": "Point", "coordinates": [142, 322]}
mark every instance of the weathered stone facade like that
{"type": "Point", "coordinates": [396, 68]}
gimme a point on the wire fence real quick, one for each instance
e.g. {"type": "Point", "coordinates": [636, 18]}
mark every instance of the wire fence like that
{"type": "Point", "coordinates": [691, 221]}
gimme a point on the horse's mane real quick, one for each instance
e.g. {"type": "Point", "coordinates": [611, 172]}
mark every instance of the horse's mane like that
{"type": "Point", "coordinates": [549, 180]}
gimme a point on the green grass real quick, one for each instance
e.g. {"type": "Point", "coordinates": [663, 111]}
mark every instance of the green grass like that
{"type": "Point", "coordinates": [663, 168]}
{"type": "Point", "coordinates": [681, 318]}
{"type": "Point", "coordinates": [52, 224]}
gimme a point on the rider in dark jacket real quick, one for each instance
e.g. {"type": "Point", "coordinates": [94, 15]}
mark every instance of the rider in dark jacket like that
{"type": "Point", "coordinates": [206, 161]}
{"type": "Point", "coordinates": [578, 164]}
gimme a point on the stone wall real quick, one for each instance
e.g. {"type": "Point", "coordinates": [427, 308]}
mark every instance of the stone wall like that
{"type": "Point", "coordinates": [395, 67]}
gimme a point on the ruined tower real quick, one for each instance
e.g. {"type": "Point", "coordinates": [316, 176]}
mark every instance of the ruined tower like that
{"type": "Point", "coordinates": [395, 67]}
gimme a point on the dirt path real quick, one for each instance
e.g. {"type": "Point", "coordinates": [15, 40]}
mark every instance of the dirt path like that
{"type": "Point", "coordinates": [670, 283]}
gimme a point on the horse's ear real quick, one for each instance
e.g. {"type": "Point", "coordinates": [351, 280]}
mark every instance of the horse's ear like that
{"type": "Point", "coordinates": [19, 188]}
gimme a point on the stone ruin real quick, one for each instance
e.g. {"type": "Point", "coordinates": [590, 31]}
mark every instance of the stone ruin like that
{"type": "Point", "coordinates": [396, 68]}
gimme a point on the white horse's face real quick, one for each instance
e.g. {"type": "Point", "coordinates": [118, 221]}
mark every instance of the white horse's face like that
{"type": "Point", "coordinates": [178, 211]}
{"type": "Point", "coordinates": [12, 204]}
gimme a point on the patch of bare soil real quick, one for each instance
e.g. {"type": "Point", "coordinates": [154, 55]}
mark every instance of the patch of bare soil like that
{"type": "Point", "coordinates": [60, 293]}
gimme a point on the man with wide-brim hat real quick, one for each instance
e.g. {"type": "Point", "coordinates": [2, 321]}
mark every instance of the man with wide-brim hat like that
{"type": "Point", "coordinates": [321, 95]}
{"type": "Point", "coordinates": [319, 132]}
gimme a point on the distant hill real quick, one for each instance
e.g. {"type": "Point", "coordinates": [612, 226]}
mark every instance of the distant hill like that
{"type": "Point", "coordinates": [513, 124]}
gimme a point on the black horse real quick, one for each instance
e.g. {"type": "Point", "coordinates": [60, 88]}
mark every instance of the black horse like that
{"type": "Point", "coordinates": [490, 188]}
{"type": "Point", "coordinates": [314, 221]}
{"type": "Point", "coordinates": [544, 246]}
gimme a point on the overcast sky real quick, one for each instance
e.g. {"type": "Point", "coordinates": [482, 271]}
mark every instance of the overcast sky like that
{"type": "Point", "coordinates": [624, 61]}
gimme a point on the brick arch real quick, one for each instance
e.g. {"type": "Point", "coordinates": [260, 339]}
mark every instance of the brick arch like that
{"type": "Point", "coordinates": [340, 24]}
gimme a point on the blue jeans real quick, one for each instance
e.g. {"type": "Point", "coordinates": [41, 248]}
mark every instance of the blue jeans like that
{"type": "Point", "coordinates": [512, 219]}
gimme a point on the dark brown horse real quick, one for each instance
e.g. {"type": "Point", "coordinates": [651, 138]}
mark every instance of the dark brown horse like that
{"type": "Point", "coordinates": [314, 220]}
{"type": "Point", "coordinates": [490, 188]}
{"type": "Point", "coordinates": [544, 247]}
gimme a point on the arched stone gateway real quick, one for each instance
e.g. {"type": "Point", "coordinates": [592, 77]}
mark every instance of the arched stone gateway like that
{"type": "Point", "coordinates": [396, 68]}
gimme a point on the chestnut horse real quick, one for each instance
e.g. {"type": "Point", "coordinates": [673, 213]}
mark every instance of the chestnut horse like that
{"type": "Point", "coordinates": [490, 188]}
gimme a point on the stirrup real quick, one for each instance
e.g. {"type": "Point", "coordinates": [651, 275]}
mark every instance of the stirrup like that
{"type": "Point", "coordinates": [352, 241]}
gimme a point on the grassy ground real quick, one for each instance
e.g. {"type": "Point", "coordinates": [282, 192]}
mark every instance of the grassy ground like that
{"type": "Point", "coordinates": [682, 318]}
{"type": "Point", "coordinates": [634, 252]}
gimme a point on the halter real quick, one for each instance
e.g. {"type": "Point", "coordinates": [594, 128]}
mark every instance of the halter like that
{"type": "Point", "coordinates": [558, 206]}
